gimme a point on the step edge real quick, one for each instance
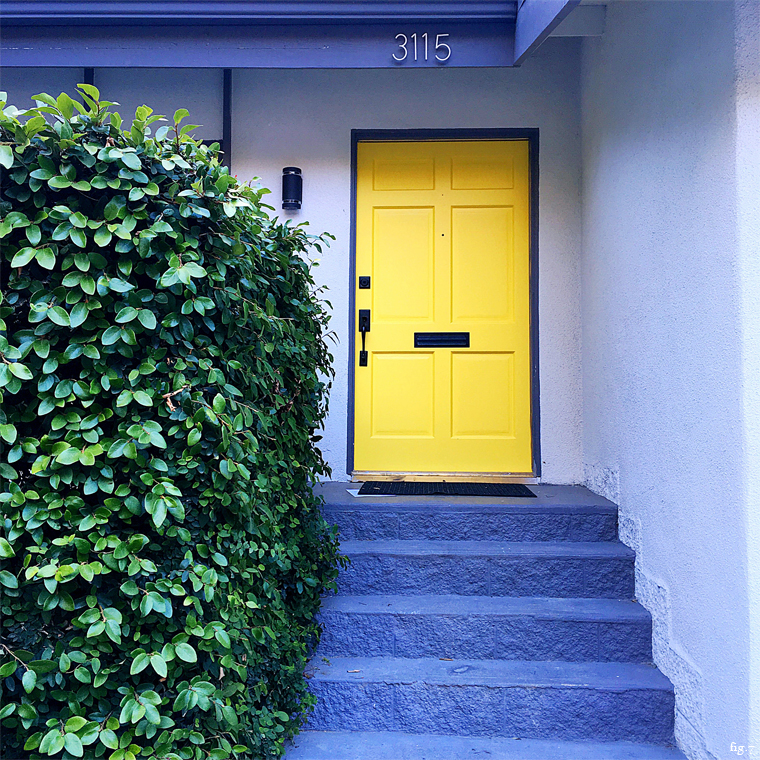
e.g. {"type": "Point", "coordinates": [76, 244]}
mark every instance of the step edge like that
{"type": "Point", "coordinates": [624, 610]}
{"type": "Point", "coordinates": [341, 738]}
{"type": "Point", "coordinates": [465, 509]}
{"type": "Point", "coordinates": [434, 548]}
{"type": "Point", "coordinates": [640, 676]}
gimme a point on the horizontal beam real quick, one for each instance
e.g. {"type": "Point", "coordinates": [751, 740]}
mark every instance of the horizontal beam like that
{"type": "Point", "coordinates": [337, 46]}
{"type": "Point", "coordinates": [34, 12]}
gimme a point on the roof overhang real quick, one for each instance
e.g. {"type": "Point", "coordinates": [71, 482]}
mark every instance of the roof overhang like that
{"type": "Point", "coordinates": [275, 33]}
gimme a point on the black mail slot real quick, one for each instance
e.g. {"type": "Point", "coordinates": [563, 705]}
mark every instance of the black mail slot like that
{"type": "Point", "coordinates": [442, 340]}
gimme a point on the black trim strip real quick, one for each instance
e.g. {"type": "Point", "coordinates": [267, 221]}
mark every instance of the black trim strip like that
{"type": "Point", "coordinates": [227, 119]}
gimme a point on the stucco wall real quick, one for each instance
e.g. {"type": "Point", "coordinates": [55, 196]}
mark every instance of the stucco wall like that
{"type": "Point", "coordinates": [304, 118]}
{"type": "Point", "coordinates": [662, 336]}
{"type": "Point", "coordinates": [747, 69]}
{"type": "Point", "coordinates": [199, 91]}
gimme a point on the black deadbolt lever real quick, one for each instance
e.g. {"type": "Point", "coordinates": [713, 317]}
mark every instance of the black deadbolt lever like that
{"type": "Point", "coordinates": [363, 329]}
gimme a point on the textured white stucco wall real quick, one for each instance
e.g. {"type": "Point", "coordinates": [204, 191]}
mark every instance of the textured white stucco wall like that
{"type": "Point", "coordinates": [662, 342]}
{"type": "Point", "coordinates": [305, 118]}
{"type": "Point", "coordinates": [747, 69]}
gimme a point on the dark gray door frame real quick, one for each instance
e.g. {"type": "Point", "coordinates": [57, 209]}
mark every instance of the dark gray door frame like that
{"type": "Point", "coordinates": [407, 135]}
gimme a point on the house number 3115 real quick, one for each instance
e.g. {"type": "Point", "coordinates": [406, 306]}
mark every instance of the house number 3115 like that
{"type": "Point", "coordinates": [411, 47]}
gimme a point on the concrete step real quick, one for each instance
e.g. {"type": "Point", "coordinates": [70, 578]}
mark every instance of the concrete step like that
{"type": "Point", "coordinates": [488, 568]}
{"type": "Point", "coordinates": [530, 700]}
{"type": "Point", "coordinates": [482, 627]}
{"type": "Point", "coordinates": [559, 513]}
{"type": "Point", "coordinates": [342, 745]}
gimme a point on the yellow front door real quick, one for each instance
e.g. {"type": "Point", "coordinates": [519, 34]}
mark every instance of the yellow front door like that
{"type": "Point", "coordinates": [443, 234]}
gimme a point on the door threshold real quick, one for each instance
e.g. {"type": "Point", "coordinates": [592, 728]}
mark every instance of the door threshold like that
{"type": "Point", "coordinates": [450, 477]}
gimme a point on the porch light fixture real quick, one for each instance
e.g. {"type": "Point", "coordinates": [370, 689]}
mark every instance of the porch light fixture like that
{"type": "Point", "coordinates": [292, 188]}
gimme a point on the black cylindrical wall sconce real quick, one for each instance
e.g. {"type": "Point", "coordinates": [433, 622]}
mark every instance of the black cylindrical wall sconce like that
{"type": "Point", "coordinates": [292, 188]}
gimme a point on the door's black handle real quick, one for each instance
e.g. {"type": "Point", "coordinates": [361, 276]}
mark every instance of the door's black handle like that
{"type": "Point", "coordinates": [363, 329]}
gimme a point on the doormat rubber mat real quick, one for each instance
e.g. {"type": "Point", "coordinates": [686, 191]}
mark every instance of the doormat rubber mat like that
{"type": "Point", "coordinates": [414, 488]}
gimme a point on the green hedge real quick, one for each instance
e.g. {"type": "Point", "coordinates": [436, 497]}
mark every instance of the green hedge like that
{"type": "Point", "coordinates": [163, 372]}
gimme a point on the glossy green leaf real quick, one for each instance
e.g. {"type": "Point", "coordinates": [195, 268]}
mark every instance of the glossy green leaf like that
{"type": "Point", "coordinates": [113, 631]}
{"type": "Point", "coordinates": [78, 220]}
{"type": "Point", "coordinates": [109, 739]}
{"type": "Point", "coordinates": [126, 314]}
{"type": "Point", "coordinates": [23, 257]}
{"type": "Point", "coordinates": [59, 182]}
{"type": "Point", "coordinates": [33, 234]}
{"type": "Point", "coordinates": [141, 397]}
{"type": "Point", "coordinates": [119, 286]}
{"type": "Point", "coordinates": [8, 580]}
{"type": "Point", "coordinates": [159, 665]}
{"type": "Point", "coordinates": [43, 666]}
{"type": "Point", "coordinates": [147, 319]}
{"type": "Point", "coordinates": [6, 550]}
{"type": "Point", "coordinates": [102, 237]}
{"type": "Point", "coordinates": [75, 724]}
{"type": "Point", "coordinates": [139, 664]}
{"type": "Point", "coordinates": [78, 314]}
{"type": "Point", "coordinates": [6, 156]}
{"type": "Point", "coordinates": [65, 105]}
{"type": "Point", "coordinates": [45, 258]}
{"type": "Point", "coordinates": [78, 236]}
{"type": "Point", "coordinates": [21, 371]}
{"type": "Point", "coordinates": [59, 316]}
{"type": "Point", "coordinates": [73, 745]}
{"type": "Point", "coordinates": [9, 432]}
{"type": "Point", "coordinates": [9, 709]}
{"type": "Point", "coordinates": [131, 161]}
{"type": "Point", "coordinates": [68, 456]}
{"type": "Point", "coordinates": [185, 652]}
{"type": "Point", "coordinates": [110, 336]}
{"type": "Point", "coordinates": [29, 681]}
{"type": "Point", "coordinates": [114, 207]}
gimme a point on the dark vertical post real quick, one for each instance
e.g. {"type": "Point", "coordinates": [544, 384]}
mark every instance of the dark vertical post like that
{"type": "Point", "coordinates": [89, 76]}
{"type": "Point", "coordinates": [227, 119]}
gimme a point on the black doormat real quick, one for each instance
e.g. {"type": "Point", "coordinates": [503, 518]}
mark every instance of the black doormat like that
{"type": "Point", "coordinates": [414, 488]}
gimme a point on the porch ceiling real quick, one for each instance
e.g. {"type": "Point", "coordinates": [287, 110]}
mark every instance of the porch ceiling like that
{"type": "Point", "coordinates": [259, 11]}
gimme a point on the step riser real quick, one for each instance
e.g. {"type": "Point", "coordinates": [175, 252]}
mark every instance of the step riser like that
{"type": "Point", "coordinates": [479, 576]}
{"type": "Point", "coordinates": [487, 637]}
{"type": "Point", "coordinates": [367, 525]}
{"type": "Point", "coordinates": [529, 713]}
